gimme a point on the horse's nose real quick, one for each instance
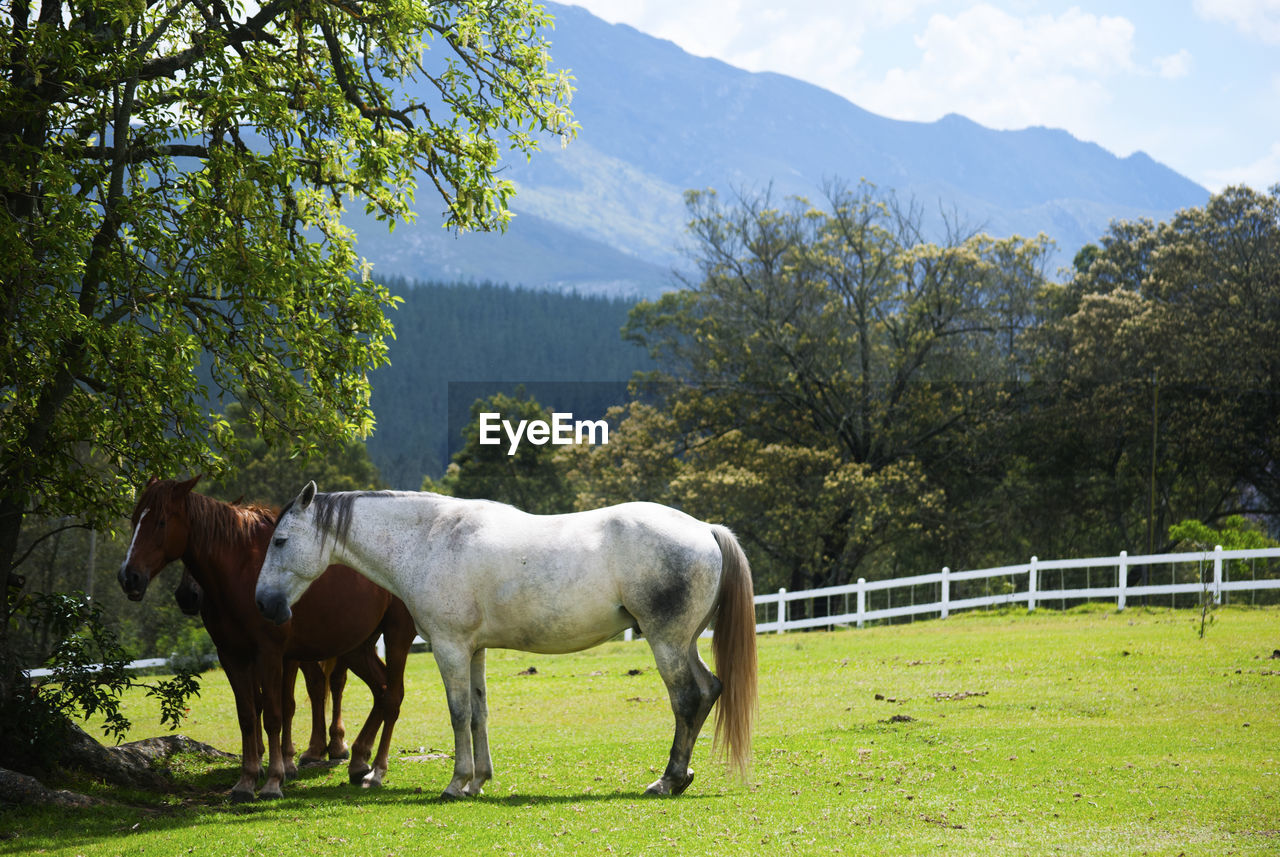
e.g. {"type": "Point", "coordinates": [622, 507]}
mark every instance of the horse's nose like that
{"type": "Point", "coordinates": [133, 582]}
{"type": "Point", "coordinates": [274, 606]}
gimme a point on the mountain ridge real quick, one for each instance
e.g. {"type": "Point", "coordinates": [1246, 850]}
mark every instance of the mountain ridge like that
{"type": "Point", "coordinates": [606, 213]}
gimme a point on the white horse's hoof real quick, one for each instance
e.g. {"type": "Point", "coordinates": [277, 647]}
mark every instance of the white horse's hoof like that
{"type": "Point", "coordinates": [662, 788]}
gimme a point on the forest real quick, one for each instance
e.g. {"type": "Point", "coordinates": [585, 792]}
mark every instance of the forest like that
{"type": "Point", "coordinates": [458, 342]}
{"type": "Point", "coordinates": [857, 400]}
{"type": "Point", "coordinates": [854, 400]}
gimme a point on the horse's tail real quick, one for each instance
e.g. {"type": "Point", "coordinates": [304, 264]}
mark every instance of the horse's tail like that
{"type": "Point", "coordinates": [734, 646]}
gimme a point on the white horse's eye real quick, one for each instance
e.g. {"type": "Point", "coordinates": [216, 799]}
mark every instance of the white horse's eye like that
{"type": "Point", "coordinates": [280, 540]}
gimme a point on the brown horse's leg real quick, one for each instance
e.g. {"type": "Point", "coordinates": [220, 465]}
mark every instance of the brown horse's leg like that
{"type": "Point", "coordinates": [313, 673]}
{"type": "Point", "coordinates": [241, 678]}
{"type": "Point", "coordinates": [338, 731]}
{"type": "Point", "coordinates": [364, 662]}
{"type": "Point", "coordinates": [271, 671]}
{"type": "Point", "coordinates": [398, 633]}
{"type": "Point", "coordinates": [288, 707]}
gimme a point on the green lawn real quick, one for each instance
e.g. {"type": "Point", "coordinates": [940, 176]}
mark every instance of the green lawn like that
{"type": "Point", "coordinates": [1087, 733]}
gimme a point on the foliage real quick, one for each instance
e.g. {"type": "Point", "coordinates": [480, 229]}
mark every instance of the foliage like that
{"type": "Point", "coordinates": [531, 479]}
{"type": "Point", "coordinates": [830, 371]}
{"type": "Point", "coordinates": [188, 649]}
{"type": "Point", "coordinates": [273, 476]}
{"type": "Point", "coordinates": [89, 674]}
{"type": "Point", "coordinates": [1159, 375]}
{"type": "Point", "coordinates": [176, 184]}
{"type": "Point", "coordinates": [1235, 533]}
{"type": "Point", "coordinates": [173, 178]}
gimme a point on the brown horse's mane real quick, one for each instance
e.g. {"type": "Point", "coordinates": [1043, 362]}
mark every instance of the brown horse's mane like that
{"type": "Point", "coordinates": [212, 521]}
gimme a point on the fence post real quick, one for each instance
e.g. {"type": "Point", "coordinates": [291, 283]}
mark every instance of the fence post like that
{"type": "Point", "coordinates": [1122, 579]}
{"type": "Point", "coordinates": [862, 600]}
{"type": "Point", "coordinates": [782, 609]}
{"type": "Point", "coordinates": [1031, 584]}
{"type": "Point", "coordinates": [1217, 574]}
{"type": "Point", "coordinates": [946, 592]}
{"type": "Point", "coordinates": [626, 635]}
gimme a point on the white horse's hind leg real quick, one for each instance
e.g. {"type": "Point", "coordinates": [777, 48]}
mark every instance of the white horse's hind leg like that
{"type": "Point", "coordinates": [693, 690]}
{"type": "Point", "coordinates": [479, 727]}
{"type": "Point", "coordinates": [455, 669]}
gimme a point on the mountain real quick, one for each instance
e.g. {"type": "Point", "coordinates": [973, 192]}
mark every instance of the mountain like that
{"type": "Point", "coordinates": [606, 213]}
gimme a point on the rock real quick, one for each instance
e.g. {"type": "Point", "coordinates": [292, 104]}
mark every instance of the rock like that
{"type": "Point", "coordinates": [16, 788]}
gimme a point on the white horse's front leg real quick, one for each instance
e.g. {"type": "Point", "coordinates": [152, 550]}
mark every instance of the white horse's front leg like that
{"type": "Point", "coordinates": [455, 669]}
{"type": "Point", "coordinates": [479, 727]}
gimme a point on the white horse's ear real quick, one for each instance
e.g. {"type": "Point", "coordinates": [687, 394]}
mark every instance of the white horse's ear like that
{"type": "Point", "coordinates": [308, 494]}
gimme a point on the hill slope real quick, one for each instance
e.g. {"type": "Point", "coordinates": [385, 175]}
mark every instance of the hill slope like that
{"type": "Point", "coordinates": [606, 214]}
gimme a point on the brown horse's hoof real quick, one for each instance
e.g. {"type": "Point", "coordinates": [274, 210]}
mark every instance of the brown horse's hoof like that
{"type": "Point", "coordinates": [240, 796]}
{"type": "Point", "coordinates": [356, 777]}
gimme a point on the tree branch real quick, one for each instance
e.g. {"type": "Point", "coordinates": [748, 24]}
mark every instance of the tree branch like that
{"type": "Point", "coordinates": [250, 31]}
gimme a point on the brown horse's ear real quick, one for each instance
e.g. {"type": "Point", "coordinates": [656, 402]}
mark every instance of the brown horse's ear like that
{"type": "Point", "coordinates": [152, 481]}
{"type": "Point", "coordinates": [184, 488]}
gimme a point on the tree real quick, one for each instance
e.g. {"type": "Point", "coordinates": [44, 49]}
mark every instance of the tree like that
{"type": "Point", "coordinates": [173, 176]}
{"type": "Point", "coordinates": [271, 476]}
{"type": "Point", "coordinates": [830, 371]}
{"type": "Point", "coordinates": [1160, 376]}
{"type": "Point", "coordinates": [531, 478]}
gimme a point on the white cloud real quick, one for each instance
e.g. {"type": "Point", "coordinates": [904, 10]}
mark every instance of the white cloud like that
{"type": "Point", "coordinates": [1259, 175]}
{"type": "Point", "coordinates": [1007, 71]}
{"type": "Point", "coordinates": [1257, 18]}
{"type": "Point", "coordinates": [1174, 66]}
{"type": "Point", "coordinates": [814, 40]}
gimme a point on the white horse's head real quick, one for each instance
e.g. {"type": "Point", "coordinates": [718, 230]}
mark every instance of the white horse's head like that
{"type": "Point", "coordinates": [294, 558]}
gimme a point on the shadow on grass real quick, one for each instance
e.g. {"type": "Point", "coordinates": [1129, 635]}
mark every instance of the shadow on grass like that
{"type": "Point", "coordinates": [201, 796]}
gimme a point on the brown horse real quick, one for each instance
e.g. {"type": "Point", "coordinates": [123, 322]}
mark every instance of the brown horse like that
{"type": "Point", "coordinates": [324, 681]}
{"type": "Point", "coordinates": [222, 545]}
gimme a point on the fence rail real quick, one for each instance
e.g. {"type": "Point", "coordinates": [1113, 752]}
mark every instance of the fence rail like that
{"type": "Point", "coordinates": [1025, 585]}
{"type": "Point", "coordinates": [1212, 580]}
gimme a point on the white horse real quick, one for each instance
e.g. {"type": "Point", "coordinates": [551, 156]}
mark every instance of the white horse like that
{"type": "Point", "coordinates": [477, 574]}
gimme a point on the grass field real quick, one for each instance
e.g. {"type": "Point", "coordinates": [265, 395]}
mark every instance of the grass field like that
{"type": "Point", "coordinates": [1086, 733]}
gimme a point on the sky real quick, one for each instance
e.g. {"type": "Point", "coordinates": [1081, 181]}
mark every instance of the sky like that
{"type": "Point", "coordinates": [1194, 84]}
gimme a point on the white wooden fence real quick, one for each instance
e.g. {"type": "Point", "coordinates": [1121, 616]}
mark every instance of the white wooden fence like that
{"type": "Point", "coordinates": [1021, 584]}
{"type": "Point", "coordinates": [1025, 583]}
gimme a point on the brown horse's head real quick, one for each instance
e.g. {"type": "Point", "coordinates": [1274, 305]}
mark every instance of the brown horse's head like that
{"type": "Point", "coordinates": [160, 529]}
{"type": "Point", "coordinates": [189, 594]}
